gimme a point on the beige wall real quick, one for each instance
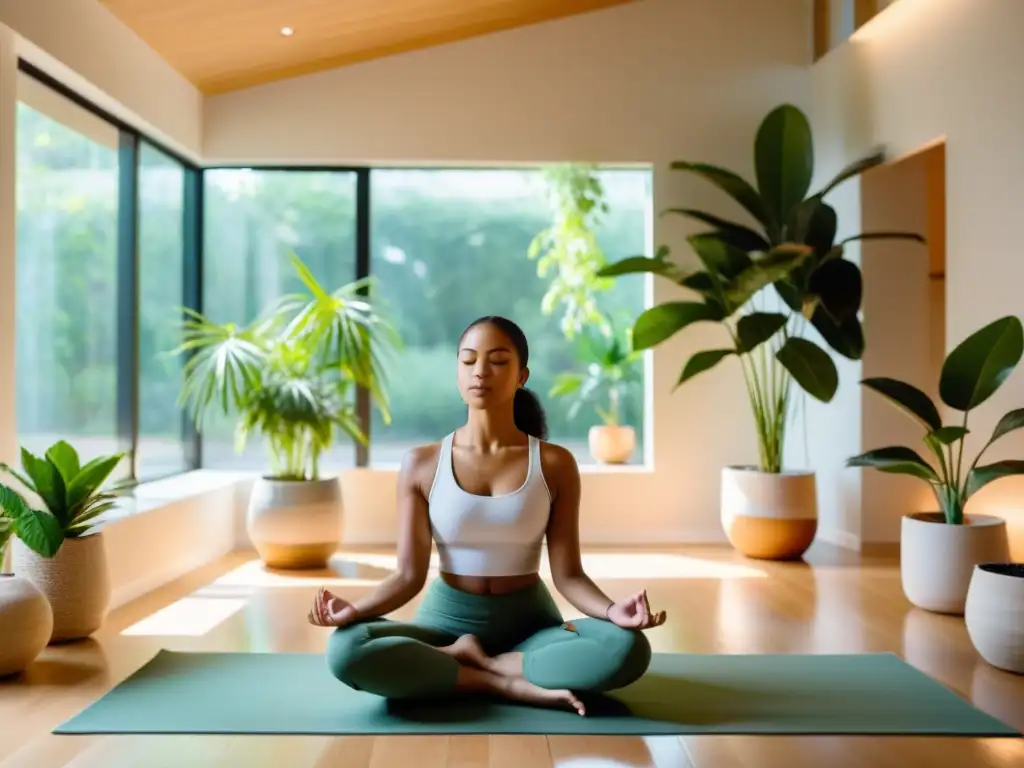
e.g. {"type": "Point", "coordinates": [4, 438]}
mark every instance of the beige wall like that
{"type": "Point", "coordinates": [648, 82]}
{"type": "Point", "coordinates": [926, 70]}
{"type": "Point", "coordinates": [89, 49]}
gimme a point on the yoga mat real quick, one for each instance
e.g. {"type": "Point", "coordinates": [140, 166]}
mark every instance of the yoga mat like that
{"type": "Point", "coordinates": [684, 694]}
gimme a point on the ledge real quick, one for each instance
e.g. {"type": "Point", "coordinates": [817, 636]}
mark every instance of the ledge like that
{"type": "Point", "coordinates": [158, 494]}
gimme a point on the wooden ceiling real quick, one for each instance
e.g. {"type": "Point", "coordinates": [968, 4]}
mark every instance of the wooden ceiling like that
{"type": "Point", "coordinates": [224, 45]}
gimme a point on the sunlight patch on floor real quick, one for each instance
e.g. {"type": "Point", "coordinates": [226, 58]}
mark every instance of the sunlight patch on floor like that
{"type": "Point", "coordinates": [192, 616]}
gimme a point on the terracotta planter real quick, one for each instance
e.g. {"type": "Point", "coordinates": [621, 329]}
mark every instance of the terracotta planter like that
{"type": "Point", "coordinates": [76, 582]}
{"type": "Point", "coordinates": [26, 623]}
{"type": "Point", "coordinates": [938, 559]}
{"type": "Point", "coordinates": [612, 444]}
{"type": "Point", "coordinates": [295, 523]}
{"type": "Point", "coordinates": [994, 614]}
{"type": "Point", "coordinates": [767, 515]}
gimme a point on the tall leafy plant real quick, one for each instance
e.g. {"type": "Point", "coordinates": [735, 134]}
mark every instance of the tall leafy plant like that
{"type": "Point", "coordinates": [567, 250]}
{"type": "Point", "coordinates": [610, 374]}
{"type": "Point", "coordinates": [970, 375]}
{"type": "Point", "coordinates": [291, 374]}
{"type": "Point", "coordinates": [73, 496]}
{"type": "Point", "coordinates": [791, 247]}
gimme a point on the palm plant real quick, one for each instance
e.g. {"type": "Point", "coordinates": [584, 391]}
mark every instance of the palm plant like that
{"type": "Point", "coordinates": [793, 248]}
{"type": "Point", "coordinates": [72, 494]}
{"type": "Point", "coordinates": [291, 374]}
{"type": "Point", "coordinates": [970, 375]}
{"type": "Point", "coordinates": [611, 372]}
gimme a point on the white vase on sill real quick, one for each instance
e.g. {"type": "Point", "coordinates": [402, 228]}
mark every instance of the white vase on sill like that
{"type": "Point", "coordinates": [295, 524]}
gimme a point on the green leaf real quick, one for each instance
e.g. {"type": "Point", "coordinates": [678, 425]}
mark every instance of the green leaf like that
{"type": "Point", "coordinates": [811, 367]}
{"type": "Point", "coordinates": [884, 236]}
{"type": "Point", "coordinates": [908, 397]}
{"type": "Point", "coordinates": [703, 361]}
{"type": "Point", "coordinates": [733, 185]}
{"type": "Point", "coordinates": [949, 435]}
{"type": "Point", "coordinates": [853, 169]}
{"type": "Point", "coordinates": [784, 160]}
{"type": "Point", "coordinates": [979, 477]}
{"type": "Point", "coordinates": [979, 365]}
{"type": "Point", "coordinates": [735, 234]}
{"type": "Point", "coordinates": [895, 460]}
{"type": "Point", "coordinates": [25, 481]}
{"type": "Point", "coordinates": [757, 327]}
{"type": "Point", "coordinates": [718, 256]}
{"type": "Point", "coordinates": [566, 384]}
{"type": "Point", "coordinates": [663, 321]}
{"type": "Point", "coordinates": [820, 232]}
{"type": "Point", "coordinates": [92, 476]}
{"type": "Point", "coordinates": [839, 285]}
{"type": "Point", "coordinates": [65, 459]}
{"type": "Point", "coordinates": [846, 337]}
{"type": "Point", "coordinates": [40, 531]}
{"type": "Point", "coordinates": [774, 266]}
{"type": "Point", "coordinates": [633, 265]}
{"type": "Point", "coordinates": [1012, 421]}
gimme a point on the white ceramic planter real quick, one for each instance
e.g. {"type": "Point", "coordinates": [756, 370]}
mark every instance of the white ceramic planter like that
{"type": "Point", "coordinates": [994, 614]}
{"type": "Point", "coordinates": [295, 523]}
{"type": "Point", "coordinates": [612, 444]}
{"type": "Point", "coordinates": [769, 516]}
{"type": "Point", "coordinates": [76, 582]}
{"type": "Point", "coordinates": [937, 559]}
{"type": "Point", "coordinates": [26, 623]}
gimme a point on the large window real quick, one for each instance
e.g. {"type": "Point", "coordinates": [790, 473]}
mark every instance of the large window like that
{"type": "Point", "coordinates": [449, 246]}
{"type": "Point", "coordinates": [161, 450]}
{"type": "Point", "coordinates": [254, 221]}
{"type": "Point", "coordinates": [104, 257]}
{"type": "Point", "coordinates": [67, 274]}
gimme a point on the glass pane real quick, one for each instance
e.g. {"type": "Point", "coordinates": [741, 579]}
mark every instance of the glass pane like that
{"type": "Point", "coordinates": [67, 216]}
{"type": "Point", "coordinates": [449, 246]}
{"type": "Point", "coordinates": [254, 220]}
{"type": "Point", "coordinates": [161, 449]}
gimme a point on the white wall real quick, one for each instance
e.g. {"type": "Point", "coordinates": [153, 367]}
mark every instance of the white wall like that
{"type": "Point", "coordinates": [926, 70]}
{"type": "Point", "coordinates": [647, 82]}
{"type": "Point", "coordinates": [86, 47]}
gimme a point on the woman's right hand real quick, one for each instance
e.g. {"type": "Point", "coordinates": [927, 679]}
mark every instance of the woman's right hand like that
{"type": "Point", "coordinates": [329, 610]}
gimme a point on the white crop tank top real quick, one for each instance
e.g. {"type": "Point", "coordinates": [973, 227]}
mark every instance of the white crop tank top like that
{"type": "Point", "coordinates": [489, 535]}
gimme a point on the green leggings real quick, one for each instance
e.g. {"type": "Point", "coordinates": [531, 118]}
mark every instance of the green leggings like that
{"type": "Point", "coordinates": [401, 661]}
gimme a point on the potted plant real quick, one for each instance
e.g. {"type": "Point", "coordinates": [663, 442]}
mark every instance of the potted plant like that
{"type": "Point", "coordinates": [26, 620]}
{"type": "Point", "coordinates": [290, 376]}
{"type": "Point", "coordinates": [611, 372]}
{"type": "Point", "coordinates": [994, 614]}
{"type": "Point", "coordinates": [939, 550]}
{"type": "Point", "coordinates": [768, 511]}
{"type": "Point", "coordinates": [60, 548]}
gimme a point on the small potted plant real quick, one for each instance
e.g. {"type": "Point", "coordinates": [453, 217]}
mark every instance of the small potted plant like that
{"type": "Point", "coordinates": [26, 620]}
{"type": "Point", "coordinates": [60, 548]}
{"type": "Point", "coordinates": [768, 511]}
{"type": "Point", "coordinates": [611, 373]}
{"type": "Point", "coordinates": [940, 549]}
{"type": "Point", "coordinates": [291, 377]}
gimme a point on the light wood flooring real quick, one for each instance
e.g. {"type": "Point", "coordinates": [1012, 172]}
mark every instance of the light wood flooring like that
{"type": "Point", "coordinates": [834, 602]}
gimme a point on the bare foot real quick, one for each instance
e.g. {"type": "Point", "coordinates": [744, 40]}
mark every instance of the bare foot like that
{"type": "Point", "coordinates": [468, 651]}
{"type": "Point", "coordinates": [521, 689]}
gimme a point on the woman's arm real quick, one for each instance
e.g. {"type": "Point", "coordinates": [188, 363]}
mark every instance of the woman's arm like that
{"type": "Point", "coordinates": [413, 550]}
{"type": "Point", "coordinates": [563, 533]}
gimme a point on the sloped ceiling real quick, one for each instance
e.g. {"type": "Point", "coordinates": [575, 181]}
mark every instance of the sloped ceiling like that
{"type": "Point", "coordinates": [224, 45]}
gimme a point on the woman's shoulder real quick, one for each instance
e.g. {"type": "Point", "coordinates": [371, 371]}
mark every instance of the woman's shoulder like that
{"type": "Point", "coordinates": [557, 461]}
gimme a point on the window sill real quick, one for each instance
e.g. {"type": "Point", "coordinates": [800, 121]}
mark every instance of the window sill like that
{"type": "Point", "coordinates": [170, 490]}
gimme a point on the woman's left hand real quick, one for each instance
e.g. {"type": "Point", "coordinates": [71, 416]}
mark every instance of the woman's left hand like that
{"type": "Point", "coordinates": [634, 612]}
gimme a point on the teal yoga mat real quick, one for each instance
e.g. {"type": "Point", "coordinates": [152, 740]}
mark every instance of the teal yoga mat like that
{"type": "Point", "coordinates": [282, 693]}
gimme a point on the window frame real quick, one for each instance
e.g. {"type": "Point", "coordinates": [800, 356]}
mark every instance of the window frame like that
{"type": "Point", "coordinates": [193, 224]}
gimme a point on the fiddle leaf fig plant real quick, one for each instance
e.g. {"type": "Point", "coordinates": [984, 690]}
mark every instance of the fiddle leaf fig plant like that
{"type": "Point", "coordinates": [72, 494]}
{"type": "Point", "coordinates": [970, 375]}
{"type": "Point", "coordinates": [791, 247]}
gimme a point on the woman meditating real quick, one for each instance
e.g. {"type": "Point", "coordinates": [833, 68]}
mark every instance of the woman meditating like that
{"type": "Point", "coordinates": [487, 495]}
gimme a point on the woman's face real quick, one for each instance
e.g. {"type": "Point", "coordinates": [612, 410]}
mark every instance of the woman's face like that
{"type": "Point", "coordinates": [489, 372]}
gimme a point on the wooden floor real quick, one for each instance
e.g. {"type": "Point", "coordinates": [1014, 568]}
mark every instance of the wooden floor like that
{"type": "Point", "coordinates": [835, 602]}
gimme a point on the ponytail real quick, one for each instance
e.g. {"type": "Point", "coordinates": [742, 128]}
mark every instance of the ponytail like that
{"type": "Point", "coordinates": [529, 414]}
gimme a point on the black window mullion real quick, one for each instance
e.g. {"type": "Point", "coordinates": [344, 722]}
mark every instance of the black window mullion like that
{"type": "Point", "coordinates": [362, 272]}
{"type": "Point", "coordinates": [128, 297]}
{"type": "Point", "coordinates": [193, 292]}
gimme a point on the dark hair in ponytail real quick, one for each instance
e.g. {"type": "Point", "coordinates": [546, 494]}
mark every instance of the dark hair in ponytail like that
{"type": "Point", "coordinates": [527, 410]}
